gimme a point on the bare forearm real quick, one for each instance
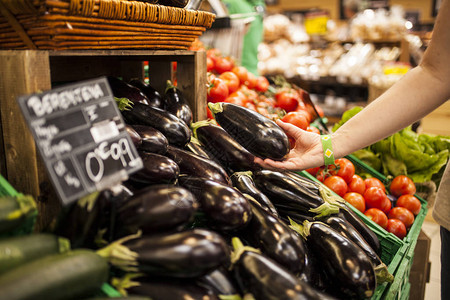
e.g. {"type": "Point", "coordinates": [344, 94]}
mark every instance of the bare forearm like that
{"type": "Point", "coordinates": [418, 93]}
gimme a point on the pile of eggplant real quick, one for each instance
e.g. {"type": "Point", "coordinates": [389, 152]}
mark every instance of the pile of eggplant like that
{"type": "Point", "coordinates": [202, 221]}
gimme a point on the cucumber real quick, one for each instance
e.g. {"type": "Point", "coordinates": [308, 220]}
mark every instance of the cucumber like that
{"type": "Point", "coordinates": [71, 275]}
{"type": "Point", "coordinates": [14, 211]}
{"type": "Point", "coordinates": [16, 251]}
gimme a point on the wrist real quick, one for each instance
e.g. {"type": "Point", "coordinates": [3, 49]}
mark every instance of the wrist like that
{"type": "Point", "coordinates": [327, 148]}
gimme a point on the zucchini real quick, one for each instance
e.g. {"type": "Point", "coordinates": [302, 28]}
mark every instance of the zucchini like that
{"type": "Point", "coordinates": [14, 212]}
{"type": "Point", "coordinates": [71, 275]}
{"type": "Point", "coordinates": [16, 251]}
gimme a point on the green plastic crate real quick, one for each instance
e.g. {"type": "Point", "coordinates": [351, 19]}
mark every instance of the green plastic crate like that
{"type": "Point", "coordinates": [109, 291]}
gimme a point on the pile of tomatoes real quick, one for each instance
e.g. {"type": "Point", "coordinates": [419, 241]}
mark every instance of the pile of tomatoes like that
{"type": "Point", "coordinates": [394, 208]}
{"type": "Point", "coordinates": [232, 83]}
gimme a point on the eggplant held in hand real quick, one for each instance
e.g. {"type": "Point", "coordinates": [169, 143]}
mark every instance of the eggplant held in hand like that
{"type": "Point", "coordinates": [197, 166]}
{"type": "Point", "coordinates": [157, 169]}
{"type": "Point", "coordinates": [243, 181]}
{"type": "Point", "coordinates": [225, 207]}
{"type": "Point", "coordinates": [152, 140]}
{"type": "Point", "coordinates": [188, 254]}
{"type": "Point", "coordinates": [275, 239]}
{"type": "Point", "coordinates": [174, 129]}
{"type": "Point", "coordinates": [175, 103]}
{"type": "Point", "coordinates": [256, 133]}
{"type": "Point", "coordinates": [347, 268]}
{"type": "Point", "coordinates": [153, 96]}
{"type": "Point", "coordinates": [157, 208]}
{"type": "Point", "coordinates": [230, 154]}
{"type": "Point", "coordinates": [267, 280]}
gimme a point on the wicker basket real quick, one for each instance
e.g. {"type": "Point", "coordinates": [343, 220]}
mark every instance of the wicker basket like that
{"type": "Point", "coordinates": [98, 24]}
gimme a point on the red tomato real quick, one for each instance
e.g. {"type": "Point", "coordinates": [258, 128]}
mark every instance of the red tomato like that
{"type": "Point", "coordinates": [302, 111]}
{"type": "Point", "coordinates": [377, 216]}
{"type": "Point", "coordinates": [397, 228]}
{"type": "Point", "coordinates": [313, 129]}
{"type": "Point", "coordinates": [287, 99]}
{"type": "Point", "coordinates": [296, 119]}
{"type": "Point", "coordinates": [241, 72]}
{"type": "Point", "coordinates": [218, 91]}
{"type": "Point", "coordinates": [375, 197]}
{"type": "Point", "coordinates": [209, 114]}
{"type": "Point", "coordinates": [213, 53]}
{"type": "Point", "coordinates": [231, 80]}
{"type": "Point", "coordinates": [262, 84]}
{"type": "Point", "coordinates": [311, 111]}
{"type": "Point", "coordinates": [209, 64]}
{"type": "Point", "coordinates": [251, 80]}
{"type": "Point", "coordinates": [336, 184]}
{"type": "Point", "coordinates": [235, 100]}
{"type": "Point", "coordinates": [320, 175]}
{"type": "Point", "coordinates": [387, 206]}
{"type": "Point", "coordinates": [402, 214]}
{"type": "Point", "coordinates": [402, 185]}
{"type": "Point", "coordinates": [223, 64]}
{"type": "Point", "coordinates": [370, 182]}
{"type": "Point", "coordinates": [357, 200]}
{"type": "Point", "coordinates": [313, 171]}
{"type": "Point", "coordinates": [409, 202]}
{"type": "Point", "coordinates": [357, 185]}
{"type": "Point", "coordinates": [345, 169]}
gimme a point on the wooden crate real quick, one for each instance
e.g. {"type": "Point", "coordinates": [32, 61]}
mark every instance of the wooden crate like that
{"type": "Point", "coordinates": [30, 71]}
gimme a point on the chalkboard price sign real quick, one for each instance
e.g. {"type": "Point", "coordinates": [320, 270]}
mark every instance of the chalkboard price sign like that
{"type": "Point", "coordinates": [81, 137]}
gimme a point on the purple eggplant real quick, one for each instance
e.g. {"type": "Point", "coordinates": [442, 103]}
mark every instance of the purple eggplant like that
{"type": "Point", "coordinates": [195, 147]}
{"type": "Point", "coordinates": [285, 191]}
{"type": "Point", "coordinates": [275, 239]}
{"type": "Point", "coordinates": [156, 208]}
{"type": "Point", "coordinates": [369, 236]}
{"type": "Point", "coordinates": [256, 133]}
{"type": "Point", "coordinates": [265, 279]}
{"type": "Point", "coordinates": [243, 181]}
{"type": "Point", "coordinates": [175, 103]}
{"type": "Point", "coordinates": [187, 254]}
{"type": "Point", "coordinates": [194, 165]}
{"type": "Point", "coordinates": [165, 289]}
{"type": "Point", "coordinates": [342, 226]}
{"type": "Point", "coordinates": [121, 89]}
{"type": "Point", "coordinates": [135, 137]}
{"type": "Point", "coordinates": [231, 155]}
{"type": "Point", "coordinates": [348, 269]}
{"type": "Point", "coordinates": [174, 129]}
{"type": "Point", "coordinates": [225, 207]}
{"type": "Point", "coordinates": [306, 182]}
{"type": "Point", "coordinates": [153, 96]}
{"type": "Point", "coordinates": [152, 140]}
{"type": "Point", "coordinates": [157, 169]}
{"type": "Point", "coordinates": [220, 281]}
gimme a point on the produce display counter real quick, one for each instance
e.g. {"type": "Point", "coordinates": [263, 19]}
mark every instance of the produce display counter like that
{"type": "Point", "coordinates": [30, 71]}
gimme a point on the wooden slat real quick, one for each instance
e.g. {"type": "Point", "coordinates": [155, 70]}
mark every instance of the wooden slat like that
{"type": "Point", "coordinates": [23, 73]}
{"type": "Point", "coordinates": [191, 77]}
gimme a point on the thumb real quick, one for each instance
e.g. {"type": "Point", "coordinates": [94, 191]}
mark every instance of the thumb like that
{"type": "Point", "coordinates": [291, 130]}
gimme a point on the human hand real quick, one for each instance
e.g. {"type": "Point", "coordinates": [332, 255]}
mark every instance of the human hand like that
{"type": "Point", "coordinates": [307, 152]}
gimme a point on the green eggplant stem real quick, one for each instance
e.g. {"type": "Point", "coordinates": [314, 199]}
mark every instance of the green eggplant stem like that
{"type": "Point", "coordinates": [325, 209]}
{"type": "Point", "coordinates": [242, 173]}
{"type": "Point", "coordinates": [169, 86]}
{"type": "Point", "coordinates": [215, 107]}
{"type": "Point", "coordinates": [196, 125]}
{"type": "Point", "coordinates": [230, 297]}
{"type": "Point", "coordinates": [126, 282]}
{"type": "Point", "coordinates": [239, 249]}
{"type": "Point", "coordinates": [120, 256]}
{"type": "Point", "coordinates": [382, 274]}
{"type": "Point", "coordinates": [124, 103]}
{"type": "Point", "coordinates": [63, 244]}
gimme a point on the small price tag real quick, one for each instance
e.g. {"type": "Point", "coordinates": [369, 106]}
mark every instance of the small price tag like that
{"type": "Point", "coordinates": [316, 23]}
{"type": "Point", "coordinates": [81, 137]}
